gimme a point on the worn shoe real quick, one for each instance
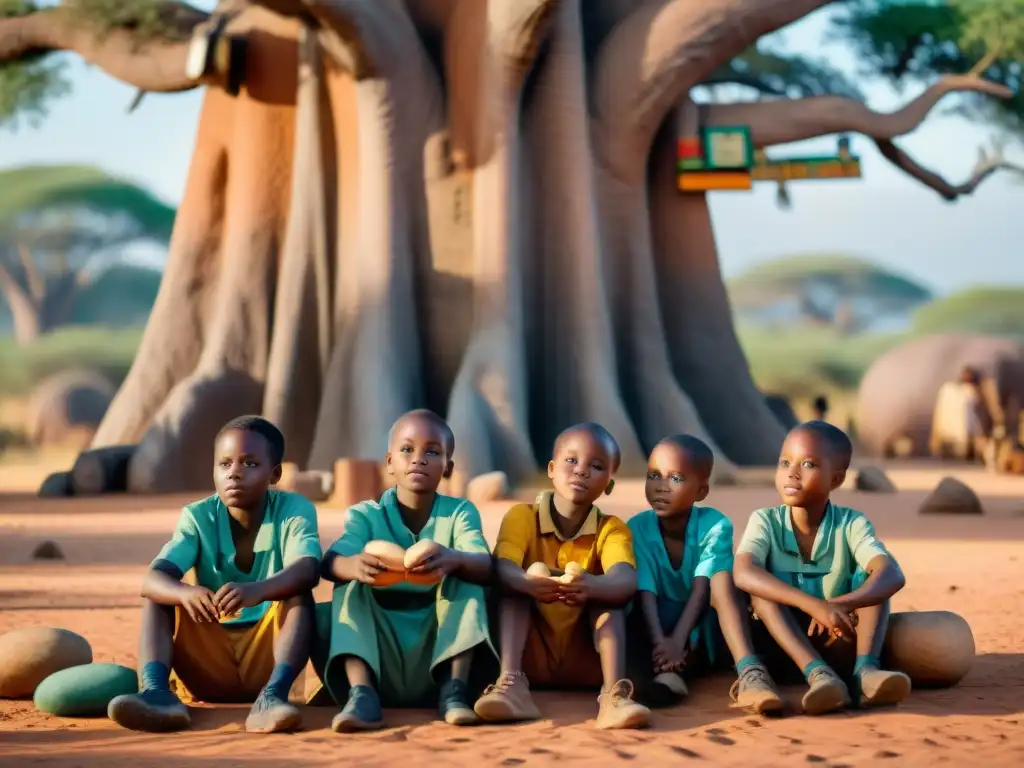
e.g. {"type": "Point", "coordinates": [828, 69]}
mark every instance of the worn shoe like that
{"type": "Point", "coordinates": [156, 711]}
{"type": "Point", "coordinates": [827, 693]}
{"type": "Point", "coordinates": [754, 691]}
{"type": "Point", "coordinates": [619, 711]}
{"type": "Point", "coordinates": [362, 711]}
{"type": "Point", "coordinates": [453, 702]}
{"type": "Point", "coordinates": [879, 687]}
{"type": "Point", "coordinates": [507, 701]}
{"type": "Point", "coordinates": [271, 714]}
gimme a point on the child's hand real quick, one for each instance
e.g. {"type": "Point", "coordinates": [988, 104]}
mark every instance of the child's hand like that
{"type": "Point", "coordinates": [835, 620]}
{"type": "Point", "coordinates": [668, 656]}
{"type": "Point", "coordinates": [575, 593]}
{"type": "Point", "coordinates": [441, 562]}
{"type": "Point", "coordinates": [367, 568]}
{"type": "Point", "coordinates": [200, 605]}
{"type": "Point", "coordinates": [543, 589]}
{"type": "Point", "coordinates": [234, 596]}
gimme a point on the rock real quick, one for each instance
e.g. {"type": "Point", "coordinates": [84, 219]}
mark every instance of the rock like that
{"type": "Point", "coordinates": [56, 485]}
{"type": "Point", "coordinates": [85, 690]}
{"type": "Point", "coordinates": [66, 408]}
{"type": "Point", "coordinates": [356, 480]}
{"type": "Point", "coordinates": [102, 470]}
{"type": "Point", "coordinates": [29, 656]}
{"type": "Point", "coordinates": [873, 480]}
{"type": "Point", "coordinates": [314, 485]}
{"type": "Point", "coordinates": [48, 550]}
{"type": "Point", "coordinates": [491, 486]}
{"type": "Point", "coordinates": [951, 497]}
{"type": "Point", "coordinates": [936, 648]}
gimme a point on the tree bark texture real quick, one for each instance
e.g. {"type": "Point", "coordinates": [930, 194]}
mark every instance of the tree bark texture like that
{"type": "Point", "coordinates": [468, 205]}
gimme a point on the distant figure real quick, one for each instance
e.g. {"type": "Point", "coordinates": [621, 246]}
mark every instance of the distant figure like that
{"type": "Point", "coordinates": [821, 408]}
{"type": "Point", "coordinates": [961, 424]}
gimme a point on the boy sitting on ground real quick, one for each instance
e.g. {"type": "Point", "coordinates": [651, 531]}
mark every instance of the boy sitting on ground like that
{"type": "Point", "coordinates": [243, 630]}
{"type": "Point", "coordinates": [414, 640]}
{"type": "Point", "coordinates": [684, 555]}
{"type": "Point", "coordinates": [558, 633]}
{"type": "Point", "coordinates": [817, 574]}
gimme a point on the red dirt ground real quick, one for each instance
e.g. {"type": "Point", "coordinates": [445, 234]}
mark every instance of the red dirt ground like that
{"type": "Point", "coordinates": [974, 566]}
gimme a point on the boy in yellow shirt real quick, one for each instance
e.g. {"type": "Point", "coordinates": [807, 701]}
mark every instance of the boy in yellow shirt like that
{"type": "Point", "coordinates": [558, 634]}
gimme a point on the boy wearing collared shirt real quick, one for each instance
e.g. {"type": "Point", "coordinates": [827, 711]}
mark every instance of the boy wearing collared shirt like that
{"type": "Point", "coordinates": [559, 634]}
{"type": "Point", "coordinates": [242, 632]}
{"type": "Point", "coordinates": [816, 570]}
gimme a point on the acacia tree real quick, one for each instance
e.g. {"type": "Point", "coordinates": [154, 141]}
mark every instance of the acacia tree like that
{"type": "Point", "coordinates": [468, 205]}
{"type": "Point", "coordinates": [61, 227]}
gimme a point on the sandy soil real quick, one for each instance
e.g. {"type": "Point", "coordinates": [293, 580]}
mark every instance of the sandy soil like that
{"type": "Point", "coordinates": [972, 566]}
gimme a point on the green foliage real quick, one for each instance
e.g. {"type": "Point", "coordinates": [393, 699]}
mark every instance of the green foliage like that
{"type": "Point", "coordinates": [916, 40]}
{"type": "Point", "coordinates": [122, 296]}
{"type": "Point", "coordinates": [41, 187]}
{"type": "Point", "coordinates": [847, 275]}
{"type": "Point", "coordinates": [27, 85]}
{"type": "Point", "coordinates": [148, 20]}
{"type": "Point", "coordinates": [108, 350]}
{"type": "Point", "coordinates": [805, 362]}
{"type": "Point", "coordinates": [997, 311]}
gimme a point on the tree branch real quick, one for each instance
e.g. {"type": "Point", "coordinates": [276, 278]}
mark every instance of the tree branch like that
{"type": "Point", "coordinates": [33, 278]}
{"type": "Point", "coordinates": [150, 65]}
{"type": "Point", "coordinates": [950, 192]}
{"type": "Point", "coordinates": [665, 48]}
{"type": "Point", "coordinates": [784, 121]}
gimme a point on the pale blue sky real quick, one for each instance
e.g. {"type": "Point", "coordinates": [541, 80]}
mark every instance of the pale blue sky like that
{"type": "Point", "coordinates": [885, 216]}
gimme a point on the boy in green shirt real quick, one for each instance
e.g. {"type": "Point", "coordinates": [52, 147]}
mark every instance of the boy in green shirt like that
{"type": "Point", "coordinates": [242, 631]}
{"type": "Point", "coordinates": [683, 558]}
{"type": "Point", "coordinates": [409, 642]}
{"type": "Point", "coordinates": [816, 572]}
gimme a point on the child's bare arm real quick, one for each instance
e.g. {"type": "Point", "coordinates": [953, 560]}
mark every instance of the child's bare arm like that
{"type": "Point", "coordinates": [613, 589]}
{"type": "Point", "coordinates": [696, 604]}
{"type": "Point", "coordinates": [359, 567]}
{"type": "Point", "coordinates": [884, 580]}
{"type": "Point", "coordinates": [299, 577]}
{"type": "Point", "coordinates": [649, 605]}
{"type": "Point", "coordinates": [475, 567]}
{"type": "Point", "coordinates": [753, 579]}
{"type": "Point", "coordinates": [163, 586]}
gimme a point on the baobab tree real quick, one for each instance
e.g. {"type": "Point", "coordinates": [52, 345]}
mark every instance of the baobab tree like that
{"type": "Point", "coordinates": [468, 205]}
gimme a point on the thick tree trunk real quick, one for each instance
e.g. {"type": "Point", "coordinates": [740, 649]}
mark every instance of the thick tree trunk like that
{"type": "Point", "coordinates": [527, 266]}
{"type": "Point", "coordinates": [706, 355]}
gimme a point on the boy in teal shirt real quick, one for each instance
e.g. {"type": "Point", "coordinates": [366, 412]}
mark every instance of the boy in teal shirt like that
{"type": "Point", "coordinates": [242, 631]}
{"type": "Point", "coordinates": [684, 556]}
{"type": "Point", "coordinates": [816, 572]}
{"type": "Point", "coordinates": [402, 644]}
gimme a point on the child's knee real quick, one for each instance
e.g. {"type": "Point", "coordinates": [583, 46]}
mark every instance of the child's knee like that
{"type": "Point", "coordinates": [724, 592]}
{"type": "Point", "coordinates": [608, 621]}
{"type": "Point", "coordinates": [302, 601]}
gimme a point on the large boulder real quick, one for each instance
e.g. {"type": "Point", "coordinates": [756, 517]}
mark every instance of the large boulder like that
{"type": "Point", "coordinates": [29, 656]}
{"type": "Point", "coordinates": [66, 408]}
{"type": "Point", "coordinates": [951, 497]}
{"type": "Point", "coordinates": [85, 690]}
{"type": "Point", "coordinates": [896, 402]}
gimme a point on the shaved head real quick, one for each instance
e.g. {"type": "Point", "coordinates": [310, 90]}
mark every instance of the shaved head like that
{"type": "Point", "coordinates": [599, 434]}
{"type": "Point", "coordinates": [839, 445]}
{"type": "Point", "coordinates": [430, 419]}
{"type": "Point", "coordinates": [698, 454]}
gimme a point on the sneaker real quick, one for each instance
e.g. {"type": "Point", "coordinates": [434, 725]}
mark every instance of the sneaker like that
{"type": "Point", "coordinates": [672, 683]}
{"type": "Point", "coordinates": [827, 693]}
{"type": "Point", "coordinates": [507, 701]}
{"type": "Point", "coordinates": [879, 687]}
{"type": "Point", "coordinates": [271, 714]}
{"type": "Point", "coordinates": [155, 711]}
{"type": "Point", "coordinates": [453, 703]}
{"type": "Point", "coordinates": [619, 711]}
{"type": "Point", "coordinates": [362, 711]}
{"type": "Point", "coordinates": [754, 691]}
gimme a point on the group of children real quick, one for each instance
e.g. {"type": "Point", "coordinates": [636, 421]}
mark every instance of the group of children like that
{"type": "Point", "coordinates": [570, 597]}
